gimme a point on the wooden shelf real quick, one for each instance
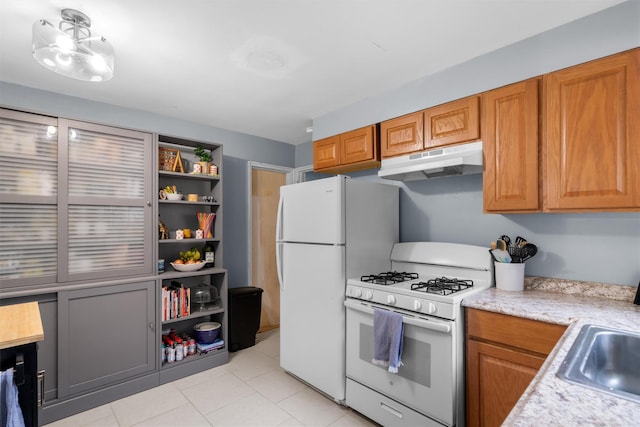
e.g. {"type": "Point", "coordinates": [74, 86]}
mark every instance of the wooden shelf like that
{"type": "Point", "coordinates": [193, 358]}
{"type": "Point", "coordinates": [190, 240]}
{"type": "Point", "coordinates": [186, 202]}
{"type": "Point", "coordinates": [170, 273]}
{"type": "Point", "coordinates": [196, 314]}
{"type": "Point", "coordinates": [189, 175]}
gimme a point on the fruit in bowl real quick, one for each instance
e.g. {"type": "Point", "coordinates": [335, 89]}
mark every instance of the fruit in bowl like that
{"type": "Point", "coordinates": [189, 261]}
{"type": "Point", "coordinates": [180, 265]}
{"type": "Point", "coordinates": [174, 196]}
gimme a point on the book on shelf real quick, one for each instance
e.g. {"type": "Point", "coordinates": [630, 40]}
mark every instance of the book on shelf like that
{"type": "Point", "coordinates": [205, 348]}
{"type": "Point", "coordinates": [176, 301]}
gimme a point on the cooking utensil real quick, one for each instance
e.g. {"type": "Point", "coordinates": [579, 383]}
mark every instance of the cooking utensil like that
{"type": "Point", "coordinates": [500, 255]}
{"type": "Point", "coordinates": [520, 241]}
{"type": "Point", "coordinates": [506, 239]}
{"type": "Point", "coordinates": [528, 251]}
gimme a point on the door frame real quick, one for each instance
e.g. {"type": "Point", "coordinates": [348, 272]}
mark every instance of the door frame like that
{"type": "Point", "coordinates": [251, 166]}
{"type": "Point", "coordinates": [294, 176]}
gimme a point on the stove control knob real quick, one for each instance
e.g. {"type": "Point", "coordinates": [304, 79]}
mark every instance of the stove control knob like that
{"type": "Point", "coordinates": [431, 308]}
{"type": "Point", "coordinates": [391, 300]}
{"type": "Point", "coordinates": [417, 305]}
{"type": "Point", "coordinates": [368, 295]}
{"type": "Point", "coordinates": [356, 292]}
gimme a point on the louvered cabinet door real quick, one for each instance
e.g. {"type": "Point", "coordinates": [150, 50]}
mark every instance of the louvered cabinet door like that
{"type": "Point", "coordinates": [592, 135]}
{"type": "Point", "coordinates": [107, 215]}
{"type": "Point", "coordinates": [28, 199]}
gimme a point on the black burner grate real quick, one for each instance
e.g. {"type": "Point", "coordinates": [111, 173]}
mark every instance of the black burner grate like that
{"type": "Point", "coordinates": [442, 285]}
{"type": "Point", "coordinates": [389, 278]}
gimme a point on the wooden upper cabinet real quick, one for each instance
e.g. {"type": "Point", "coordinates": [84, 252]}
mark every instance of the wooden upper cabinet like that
{"type": "Point", "coordinates": [510, 145]}
{"type": "Point", "coordinates": [447, 124]}
{"type": "Point", "coordinates": [591, 143]}
{"type": "Point", "coordinates": [453, 122]}
{"type": "Point", "coordinates": [358, 145]}
{"type": "Point", "coordinates": [402, 135]}
{"type": "Point", "coordinates": [326, 153]}
{"type": "Point", "coordinates": [347, 152]}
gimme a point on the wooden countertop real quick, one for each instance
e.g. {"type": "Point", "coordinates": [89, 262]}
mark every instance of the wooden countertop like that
{"type": "Point", "coordinates": [20, 324]}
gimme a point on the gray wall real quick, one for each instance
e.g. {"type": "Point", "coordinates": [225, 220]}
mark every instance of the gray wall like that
{"type": "Point", "coordinates": [598, 247]}
{"type": "Point", "coordinates": [238, 150]}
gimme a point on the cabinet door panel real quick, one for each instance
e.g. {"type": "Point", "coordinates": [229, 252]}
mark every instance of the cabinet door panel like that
{"type": "Point", "coordinates": [358, 145]}
{"type": "Point", "coordinates": [592, 134]}
{"type": "Point", "coordinates": [107, 205]}
{"type": "Point", "coordinates": [510, 144]}
{"type": "Point", "coordinates": [28, 199]}
{"type": "Point", "coordinates": [326, 153]}
{"type": "Point", "coordinates": [402, 135]}
{"type": "Point", "coordinates": [106, 335]}
{"type": "Point", "coordinates": [453, 122]}
{"type": "Point", "coordinates": [496, 378]}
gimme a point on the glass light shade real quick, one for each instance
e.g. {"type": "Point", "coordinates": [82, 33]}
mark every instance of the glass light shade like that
{"type": "Point", "coordinates": [73, 53]}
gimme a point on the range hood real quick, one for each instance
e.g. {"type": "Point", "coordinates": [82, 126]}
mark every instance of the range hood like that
{"type": "Point", "coordinates": [455, 160]}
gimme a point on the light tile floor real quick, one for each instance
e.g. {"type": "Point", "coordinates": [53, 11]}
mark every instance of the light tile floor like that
{"type": "Point", "coordinates": [250, 390]}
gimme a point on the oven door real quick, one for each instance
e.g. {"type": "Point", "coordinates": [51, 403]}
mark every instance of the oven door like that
{"type": "Point", "coordinates": [426, 380]}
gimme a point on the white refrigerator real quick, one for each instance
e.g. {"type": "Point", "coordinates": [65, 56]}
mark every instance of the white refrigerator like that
{"type": "Point", "coordinates": [328, 230]}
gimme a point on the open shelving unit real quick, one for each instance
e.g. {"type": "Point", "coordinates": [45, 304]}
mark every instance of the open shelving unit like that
{"type": "Point", "coordinates": [181, 214]}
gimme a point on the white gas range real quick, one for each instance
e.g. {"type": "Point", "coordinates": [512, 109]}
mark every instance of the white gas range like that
{"type": "Point", "coordinates": [426, 284]}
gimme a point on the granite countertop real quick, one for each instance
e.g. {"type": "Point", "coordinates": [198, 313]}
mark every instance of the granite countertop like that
{"type": "Point", "coordinates": [548, 400]}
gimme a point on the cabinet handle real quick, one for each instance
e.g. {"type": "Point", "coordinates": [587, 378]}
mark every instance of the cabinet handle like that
{"type": "Point", "coordinates": [41, 384]}
{"type": "Point", "coordinates": [151, 326]}
{"type": "Point", "coordinates": [148, 203]}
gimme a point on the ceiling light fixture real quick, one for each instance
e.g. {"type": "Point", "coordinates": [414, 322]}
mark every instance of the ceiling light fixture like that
{"type": "Point", "coordinates": [71, 49]}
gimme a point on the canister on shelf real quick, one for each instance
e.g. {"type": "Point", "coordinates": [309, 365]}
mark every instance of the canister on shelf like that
{"type": "Point", "coordinates": [171, 352]}
{"type": "Point", "coordinates": [179, 350]}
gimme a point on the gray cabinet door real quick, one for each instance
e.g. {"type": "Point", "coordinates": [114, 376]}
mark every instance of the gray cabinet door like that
{"type": "Point", "coordinates": [106, 205]}
{"type": "Point", "coordinates": [106, 334]}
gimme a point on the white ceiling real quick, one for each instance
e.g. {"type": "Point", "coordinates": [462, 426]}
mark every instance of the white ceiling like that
{"type": "Point", "coordinates": [269, 67]}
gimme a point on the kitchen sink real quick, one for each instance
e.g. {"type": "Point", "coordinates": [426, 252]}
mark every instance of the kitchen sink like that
{"type": "Point", "coordinates": [605, 359]}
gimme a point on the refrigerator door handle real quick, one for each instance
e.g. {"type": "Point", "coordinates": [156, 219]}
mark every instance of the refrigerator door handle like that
{"type": "Point", "coordinates": [279, 247]}
{"type": "Point", "coordinates": [279, 219]}
{"type": "Point", "coordinates": [278, 244]}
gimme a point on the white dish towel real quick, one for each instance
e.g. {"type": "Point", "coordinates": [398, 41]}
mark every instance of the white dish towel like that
{"type": "Point", "coordinates": [387, 339]}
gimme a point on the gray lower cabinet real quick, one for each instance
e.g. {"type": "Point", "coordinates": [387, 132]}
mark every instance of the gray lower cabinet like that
{"type": "Point", "coordinates": [106, 335]}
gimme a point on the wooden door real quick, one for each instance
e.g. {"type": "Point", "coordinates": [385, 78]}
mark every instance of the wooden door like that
{"type": "Point", "coordinates": [402, 135]}
{"type": "Point", "coordinates": [452, 123]}
{"type": "Point", "coordinates": [496, 378]}
{"type": "Point", "coordinates": [265, 194]}
{"type": "Point", "coordinates": [592, 135]}
{"type": "Point", "coordinates": [510, 145]}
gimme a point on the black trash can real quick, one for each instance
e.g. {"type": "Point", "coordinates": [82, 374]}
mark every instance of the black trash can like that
{"type": "Point", "coordinates": [245, 304]}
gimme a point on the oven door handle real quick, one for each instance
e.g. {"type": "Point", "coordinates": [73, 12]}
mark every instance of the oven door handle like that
{"type": "Point", "coordinates": [421, 323]}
